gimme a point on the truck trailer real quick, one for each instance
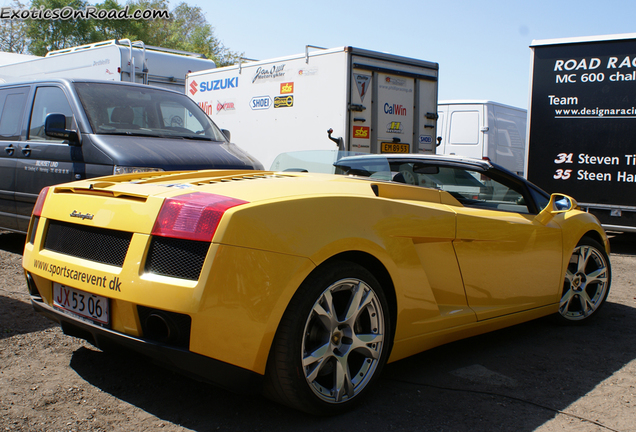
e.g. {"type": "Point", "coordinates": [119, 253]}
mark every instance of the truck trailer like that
{"type": "Point", "coordinates": [113, 60]}
{"type": "Point", "coordinates": [582, 124]}
{"type": "Point", "coordinates": [372, 102]}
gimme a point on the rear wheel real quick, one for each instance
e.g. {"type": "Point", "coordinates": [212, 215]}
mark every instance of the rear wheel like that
{"type": "Point", "coordinates": [332, 342]}
{"type": "Point", "coordinates": [587, 282]}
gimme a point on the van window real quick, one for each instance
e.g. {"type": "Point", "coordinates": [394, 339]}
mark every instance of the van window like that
{"type": "Point", "coordinates": [48, 100]}
{"type": "Point", "coordinates": [464, 128]}
{"type": "Point", "coordinates": [12, 103]}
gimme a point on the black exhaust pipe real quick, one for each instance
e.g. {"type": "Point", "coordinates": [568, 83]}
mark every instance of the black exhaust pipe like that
{"type": "Point", "coordinates": [160, 327]}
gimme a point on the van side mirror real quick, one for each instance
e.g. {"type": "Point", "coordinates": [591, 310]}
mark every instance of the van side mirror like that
{"type": "Point", "coordinates": [227, 134]}
{"type": "Point", "coordinates": [55, 126]}
{"type": "Point", "coordinates": [558, 203]}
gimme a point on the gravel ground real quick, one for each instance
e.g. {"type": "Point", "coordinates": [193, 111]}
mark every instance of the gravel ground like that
{"type": "Point", "coordinates": [534, 376]}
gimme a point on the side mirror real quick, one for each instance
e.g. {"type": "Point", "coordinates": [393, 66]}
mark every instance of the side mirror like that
{"type": "Point", "coordinates": [558, 203]}
{"type": "Point", "coordinates": [55, 126]}
{"type": "Point", "coordinates": [227, 134]}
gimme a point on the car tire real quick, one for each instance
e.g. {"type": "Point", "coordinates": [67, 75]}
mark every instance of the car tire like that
{"type": "Point", "coordinates": [586, 284]}
{"type": "Point", "coordinates": [332, 341]}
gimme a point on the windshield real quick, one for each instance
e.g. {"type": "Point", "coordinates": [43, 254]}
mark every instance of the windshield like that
{"type": "Point", "coordinates": [473, 183]}
{"type": "Point", "coordinates": [333, 162]}
{"type": "Point", "coordinates": [144, 111]}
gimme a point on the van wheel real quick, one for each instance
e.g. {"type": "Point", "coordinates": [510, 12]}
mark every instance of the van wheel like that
{"type": "Point", "coordinates": [332, 342]}
{"type": "Point", "coordinates": [587, 282]}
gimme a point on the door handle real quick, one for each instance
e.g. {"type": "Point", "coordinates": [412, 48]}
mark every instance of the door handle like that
{"type": "Point", "coordinates": [9, 149]}
{"type": "Point", "coordinates": [26, 151]}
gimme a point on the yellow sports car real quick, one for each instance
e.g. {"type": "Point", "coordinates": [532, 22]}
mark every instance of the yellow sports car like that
{"type": "Point", "coordinates": [303, 284]}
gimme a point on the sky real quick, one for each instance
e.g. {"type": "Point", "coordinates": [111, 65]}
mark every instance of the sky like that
{"type": "Point", "coordinates": [482, 46]}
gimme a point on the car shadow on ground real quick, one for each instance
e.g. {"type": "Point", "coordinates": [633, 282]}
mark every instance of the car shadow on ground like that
{"type": "Point", "coordinates": [623, 243]}
{"type": "Point", "coordinates": [16, 313]}
{"type": "Point", "coordinates": [12, 242]}
{"type": "Point", "coordinates": [18, 317]}
{"type": "Point", "coordinates": [513, 379]}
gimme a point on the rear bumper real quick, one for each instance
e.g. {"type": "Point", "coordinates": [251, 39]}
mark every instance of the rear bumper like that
{"type": "Point", "coordinates": [202, 368]}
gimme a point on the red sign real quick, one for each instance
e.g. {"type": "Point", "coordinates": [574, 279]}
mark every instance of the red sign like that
{"type": "Point", "coordinates": [361, 132]}
{"type": "Point", "coordinates": [193, 87]}
{"type": "Point", "coordinates": [286, 88]}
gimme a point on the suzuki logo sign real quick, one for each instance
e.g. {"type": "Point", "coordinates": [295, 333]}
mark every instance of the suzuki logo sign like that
{"type": "Point", "coordinates": [193, 87]}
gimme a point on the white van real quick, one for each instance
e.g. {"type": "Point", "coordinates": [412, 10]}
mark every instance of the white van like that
{"type": "Point", "coordinates": [112, 60]}
{"type": "Point", "coordinates": [483, 130]}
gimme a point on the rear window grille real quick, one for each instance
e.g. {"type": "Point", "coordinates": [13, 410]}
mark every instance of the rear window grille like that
{"type": "Point", "coordinates": [94, 244]}
{"type": "Point", "coordinates": [246, 177]}
{"type": "Point", "coordinates": [176, 257]}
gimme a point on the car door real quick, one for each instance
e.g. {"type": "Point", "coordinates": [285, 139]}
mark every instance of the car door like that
{"type": "Point", "coordinates": [509, 262]}
{"type": "Point", "coordinates": [42, 160]}
{"type": "Point", "coordinates": [12, 103]}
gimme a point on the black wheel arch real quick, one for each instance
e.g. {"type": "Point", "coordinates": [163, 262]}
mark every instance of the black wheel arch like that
{"type": "Point", "coordinates": [377, 269]}
{"type": "Point", "coordinates": [594, 235]}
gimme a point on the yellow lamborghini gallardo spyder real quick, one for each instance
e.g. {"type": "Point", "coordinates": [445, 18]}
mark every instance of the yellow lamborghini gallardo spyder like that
{"type": "Point", "coordinates": [303, 284]}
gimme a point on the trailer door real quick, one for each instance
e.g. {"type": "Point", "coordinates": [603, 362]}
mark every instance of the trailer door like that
{"type": "Point", "coordinates": [395, 110]}
{"type": "Point", "coordinates": [393, 107]}
{"type": "Point", "coordinates": [360, 113]}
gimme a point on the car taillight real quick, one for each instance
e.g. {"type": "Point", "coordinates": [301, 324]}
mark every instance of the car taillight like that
{"type": "Point", "coordinates": [193, 216]}
{"type": "Point", "coordinates": [37, 209]}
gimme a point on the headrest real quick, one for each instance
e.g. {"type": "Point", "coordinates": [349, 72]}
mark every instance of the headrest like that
{"type": "Point", "coordinates": [122, 115]}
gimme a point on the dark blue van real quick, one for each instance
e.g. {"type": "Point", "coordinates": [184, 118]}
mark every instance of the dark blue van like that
{"type": "Point", "coordinates": [61, 130]}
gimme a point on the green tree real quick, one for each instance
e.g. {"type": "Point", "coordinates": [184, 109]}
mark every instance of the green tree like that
{"type": "Point", "coordinates": [187, 29]}
{"type": "Point", "coordinates": [13, 36]}
{"type": "Point", "coordinates": [198, 35]}
{"type": "Point", "coordinates": [112, 28]}
{"type": "Point", "coordinates": [49, 35]}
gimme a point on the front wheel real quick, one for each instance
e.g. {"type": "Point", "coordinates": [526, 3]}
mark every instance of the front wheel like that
{"type": "Point", "coordinates": [332, 342]}
{"type": "Point", "coordinates": [587, 282]}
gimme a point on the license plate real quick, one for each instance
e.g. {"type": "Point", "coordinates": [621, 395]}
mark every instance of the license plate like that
{"type": "Point", "coordinates": [391, 147]}
{"type": "Point", "coordinates": [85, 305]}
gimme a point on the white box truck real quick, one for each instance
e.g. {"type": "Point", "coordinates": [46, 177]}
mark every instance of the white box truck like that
{"type": "Point", "coordinates": [484, 130]}
{"type": "Point", "coordinates": [113, 60]}
{"type": "Point", "coordinates": [582, 124]}
{"type": "Point", "coordinates": [373, 102]}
